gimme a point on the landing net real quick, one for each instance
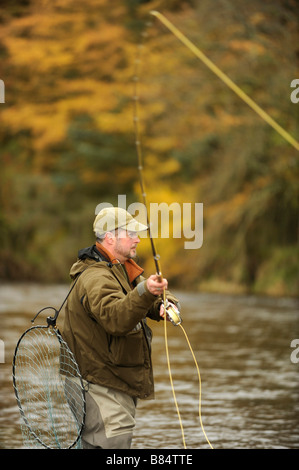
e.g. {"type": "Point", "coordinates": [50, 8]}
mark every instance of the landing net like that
{"type": "Point", "coordinates": [49, 390]}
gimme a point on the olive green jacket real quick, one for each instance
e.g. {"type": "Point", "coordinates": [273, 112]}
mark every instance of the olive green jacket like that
{"type": "Point", "coordinates": [105, 327]}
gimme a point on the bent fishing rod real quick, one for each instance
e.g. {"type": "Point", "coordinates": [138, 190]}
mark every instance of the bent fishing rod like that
{"type": "Point", "coordinates": [170, 311]}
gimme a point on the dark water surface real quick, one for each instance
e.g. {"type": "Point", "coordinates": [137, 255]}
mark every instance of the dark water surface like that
{"type": "Point", "coordinates": [250, 385]}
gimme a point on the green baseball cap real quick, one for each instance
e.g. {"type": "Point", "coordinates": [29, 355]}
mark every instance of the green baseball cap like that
{"type": "Point", "coordinates": [112, 218]}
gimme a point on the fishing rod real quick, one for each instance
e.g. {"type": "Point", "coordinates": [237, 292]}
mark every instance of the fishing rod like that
{"type": "Point", "coordinates": [170, 311]}
{"type": "Point", "coordinates": [173, 315]}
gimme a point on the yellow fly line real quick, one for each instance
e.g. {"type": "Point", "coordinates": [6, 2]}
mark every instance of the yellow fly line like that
{"type": "Point", "coordinates": [196, 51]}
{"type": "Point", "coordinates": [172, 385]}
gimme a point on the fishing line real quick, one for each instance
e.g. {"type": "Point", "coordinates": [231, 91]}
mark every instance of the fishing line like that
{"type": "Point", "coordinates": [172, 385]}
{"type": "Point", "coordinates": [225, 79]}
{"type": "Point", "coordinates": [172, 315]}
{"type": "Point", "coordinates": [199, 383]}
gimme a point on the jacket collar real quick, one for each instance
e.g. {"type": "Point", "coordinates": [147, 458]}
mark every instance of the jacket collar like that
{"type": "Point", "coordinates": [91, 252]}
{"type": "Point", "coordinates": [132, 268]}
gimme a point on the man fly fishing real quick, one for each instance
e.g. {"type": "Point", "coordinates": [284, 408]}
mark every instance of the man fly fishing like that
{"type": "Point", "coordinates": [106, 328]}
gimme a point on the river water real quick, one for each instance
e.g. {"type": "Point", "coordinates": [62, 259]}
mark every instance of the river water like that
{"type": "Point", "coordinates": [242, 345]}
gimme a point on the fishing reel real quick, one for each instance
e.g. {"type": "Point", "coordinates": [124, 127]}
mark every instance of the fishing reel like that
{"type": "Point", "coordinates": [172, 313]}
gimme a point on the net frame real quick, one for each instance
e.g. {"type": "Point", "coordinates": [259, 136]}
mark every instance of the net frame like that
{"type": "Point", "coordinates": [49, 389]}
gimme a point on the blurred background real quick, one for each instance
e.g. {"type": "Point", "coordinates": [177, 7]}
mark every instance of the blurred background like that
{"type": "Point", "coordinates": [68, 144]}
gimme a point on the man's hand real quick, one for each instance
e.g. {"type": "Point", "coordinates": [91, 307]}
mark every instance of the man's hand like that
{"type": "Point", "coordinates": [162, 310]}
{"type": "Point", "coordinates": [155, 286]}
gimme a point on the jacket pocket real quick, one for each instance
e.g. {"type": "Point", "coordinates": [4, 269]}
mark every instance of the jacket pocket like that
{"type": "Point", "coordinates": [127, 351]}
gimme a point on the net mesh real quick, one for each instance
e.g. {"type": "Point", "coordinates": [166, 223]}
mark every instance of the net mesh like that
{"type": "Point", "coordinates": [49, 390]}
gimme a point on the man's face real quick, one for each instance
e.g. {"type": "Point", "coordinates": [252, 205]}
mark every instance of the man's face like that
{"type": "Point", "coordinates": [125, 244]}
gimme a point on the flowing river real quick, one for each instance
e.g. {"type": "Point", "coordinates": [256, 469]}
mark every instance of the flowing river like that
{"type": "Point", "coordinates": [248, 370]}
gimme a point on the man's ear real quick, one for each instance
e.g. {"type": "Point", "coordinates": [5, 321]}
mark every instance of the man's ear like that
{"type": "Point", "coordinates": [109, 238]}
